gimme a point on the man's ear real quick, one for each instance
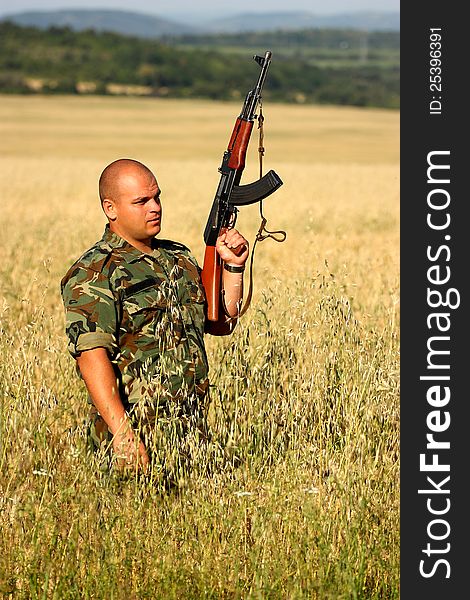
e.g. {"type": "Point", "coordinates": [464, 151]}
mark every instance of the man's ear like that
{"type": "Point", "coordinates": [109, 209]}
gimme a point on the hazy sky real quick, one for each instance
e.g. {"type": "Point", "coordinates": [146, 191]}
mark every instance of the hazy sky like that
{"type": "Point", "coordinates": [162, 7]}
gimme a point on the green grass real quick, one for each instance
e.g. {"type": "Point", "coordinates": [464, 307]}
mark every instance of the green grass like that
{"type": "Point", "coordinates": [301, 500]}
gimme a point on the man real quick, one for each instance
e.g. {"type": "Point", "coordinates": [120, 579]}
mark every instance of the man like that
{"type": "Point", "coordinates": [135, 317]}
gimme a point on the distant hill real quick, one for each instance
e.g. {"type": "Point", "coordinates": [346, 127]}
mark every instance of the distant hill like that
{"type": "Point", "coordinates": [116, 21]}
{"type": "Point", "coordinates": [368, 21]}
{"type": "Point", "coordinates": [150, 26]}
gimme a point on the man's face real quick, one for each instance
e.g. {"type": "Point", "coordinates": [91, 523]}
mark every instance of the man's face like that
{"type": "Point", "coordinates": [136, 211]}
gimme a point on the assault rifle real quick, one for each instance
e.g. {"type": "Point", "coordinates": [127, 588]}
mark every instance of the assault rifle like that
{"type": "Point", "coordinates": [230, 194]}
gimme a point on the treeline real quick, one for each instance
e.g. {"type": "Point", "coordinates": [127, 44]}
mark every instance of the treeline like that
{"type": "Point", "coordinates": [60, 60]}
{"type": "Point", "coordinates": [302, 38]}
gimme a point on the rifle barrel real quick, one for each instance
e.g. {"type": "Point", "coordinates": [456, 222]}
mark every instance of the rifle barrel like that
{"type": "Point", "coordinates": [254, 95]}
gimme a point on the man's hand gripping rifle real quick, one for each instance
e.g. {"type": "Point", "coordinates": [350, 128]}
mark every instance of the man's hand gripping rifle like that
{"type": "Point", "coordinates": [230, 194]}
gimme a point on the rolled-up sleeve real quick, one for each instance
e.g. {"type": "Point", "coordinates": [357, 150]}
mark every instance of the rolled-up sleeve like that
{"type": "Point", "coordinates": [90, 311]}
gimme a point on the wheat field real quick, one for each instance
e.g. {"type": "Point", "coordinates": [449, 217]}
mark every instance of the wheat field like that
{"type": "Point", "coordinates": [298, 496]}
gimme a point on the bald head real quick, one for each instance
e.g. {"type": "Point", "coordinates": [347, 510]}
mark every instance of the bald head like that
{"type": "Point", "coordinates": [113, 175]}
{"type": "Point", "coordinates": [130, 198]}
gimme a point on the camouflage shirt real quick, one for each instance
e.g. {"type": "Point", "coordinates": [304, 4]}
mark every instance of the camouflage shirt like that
{"type": "Point", "coordinates": [147, 310]}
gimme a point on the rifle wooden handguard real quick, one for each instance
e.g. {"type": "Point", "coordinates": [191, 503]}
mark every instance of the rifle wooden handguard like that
{"type": "Point", "coordinates": [239, 143]}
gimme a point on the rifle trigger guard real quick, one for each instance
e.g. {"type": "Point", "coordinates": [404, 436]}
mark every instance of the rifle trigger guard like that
{"type": "Point", "coordinates": [233, 218]}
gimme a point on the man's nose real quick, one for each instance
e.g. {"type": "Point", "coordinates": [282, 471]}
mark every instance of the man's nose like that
{"type": "Point", "coordinates": [154, 205]}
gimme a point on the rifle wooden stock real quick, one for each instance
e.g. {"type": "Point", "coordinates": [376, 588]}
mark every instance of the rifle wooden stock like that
{"type": "Point", "coordinates": [211, 279]}
{"type": "Point", "coordinates": [216, 323]}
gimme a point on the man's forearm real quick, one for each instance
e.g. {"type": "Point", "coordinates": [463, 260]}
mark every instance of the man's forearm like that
{"type": "Point", "coordinates": [232, 248]}
{"type": "Point", "coordinates": [98, 373]}
{"type": "Point", "coordinates": [100, 379]}
{"type": "Point", "coordinates": [233, 292]}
